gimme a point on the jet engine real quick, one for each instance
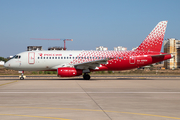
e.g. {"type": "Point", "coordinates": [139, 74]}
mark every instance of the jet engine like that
{"type": "Point", "coordinates": [68, 72]}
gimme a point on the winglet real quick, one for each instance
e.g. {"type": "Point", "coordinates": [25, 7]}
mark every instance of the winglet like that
{"type": "Point", "coordinates": [153, 41]}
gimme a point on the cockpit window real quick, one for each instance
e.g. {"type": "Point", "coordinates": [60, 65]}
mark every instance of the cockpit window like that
{"type": "Point", "coordinates": [16, 57]}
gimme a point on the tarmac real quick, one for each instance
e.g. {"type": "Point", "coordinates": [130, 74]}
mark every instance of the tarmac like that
{"type": "Point", "coordinates": [101, 98]}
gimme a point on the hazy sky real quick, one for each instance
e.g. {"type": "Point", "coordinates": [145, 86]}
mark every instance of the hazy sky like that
{"type": "Point", "coordinates": [90, 23]}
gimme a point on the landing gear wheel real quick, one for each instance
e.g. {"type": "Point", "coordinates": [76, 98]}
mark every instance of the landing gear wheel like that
{"type": "Point", "coordinates": [21, 78]}
{"type": "Point", "coordinates": [86, 76]}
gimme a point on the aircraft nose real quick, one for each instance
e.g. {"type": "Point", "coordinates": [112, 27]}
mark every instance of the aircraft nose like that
{"type": "Point", "coordinates": [6, 65]}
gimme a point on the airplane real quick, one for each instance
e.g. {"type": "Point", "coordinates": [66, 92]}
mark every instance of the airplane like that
{"type": "Point", "coordinates": [75, 63]}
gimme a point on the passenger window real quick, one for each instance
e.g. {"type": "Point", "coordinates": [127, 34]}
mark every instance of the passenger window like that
{"type": "Point", "coordinates": [38, 57]}
{"type": "Point", "coordinates": [55, 57]}
{"type": "Point", "coordinates": [67, 57]}
{"type": "Point", "coordinates": [49, 57]}
{"type": "Point", "coordinates": [46, 57]}
{"type": "Point", "coordinates": [61, 57]}
{"type": "Point", "coordinates": [64, 57]}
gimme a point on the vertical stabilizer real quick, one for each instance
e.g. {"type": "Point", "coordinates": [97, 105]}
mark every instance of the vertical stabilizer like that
{"type": "Point", "coordinates": [153, 41]}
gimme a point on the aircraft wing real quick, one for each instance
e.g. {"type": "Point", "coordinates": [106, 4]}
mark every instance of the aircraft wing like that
{"type": "Point", "coordinates": [91, 64]}
{"type": "Point", "coordinates": [85, 65]}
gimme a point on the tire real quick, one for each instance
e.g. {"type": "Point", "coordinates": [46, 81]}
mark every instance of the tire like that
{"type": "Point", "coordinates": [86, 76]}
{"type": "Point", "coordinates": [21, 78]}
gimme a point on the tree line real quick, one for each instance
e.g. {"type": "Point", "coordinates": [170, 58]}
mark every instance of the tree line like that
{"type": "Point", "coordinates": [3, 59]}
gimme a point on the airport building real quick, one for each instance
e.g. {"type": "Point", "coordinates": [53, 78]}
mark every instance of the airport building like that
{"type": "Point", "coordinates": [36, 48]}
{"type": "Point", "coordinates": [32, 48]}
{"type": "Point", "coordinates": [120, 48]}
{"type": "Point", "coordinates": [55, 48]}
{"type": "Point", "coordinates": [2, 62]}
{"type": "Point", "coordinates": [172, 46]}
{"type": "Point", "coordinates": [101, 48]}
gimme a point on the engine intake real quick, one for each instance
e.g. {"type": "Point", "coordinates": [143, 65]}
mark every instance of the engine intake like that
{"type": "Point", "coordinates": [68, 72]}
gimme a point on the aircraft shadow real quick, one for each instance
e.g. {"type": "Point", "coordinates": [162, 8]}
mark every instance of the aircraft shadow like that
{"type": "Point", "coordinates": [69, 79]}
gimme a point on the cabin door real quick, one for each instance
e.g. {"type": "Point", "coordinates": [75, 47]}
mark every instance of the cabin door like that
{"type": "Point", "coordinates": [31, 57]}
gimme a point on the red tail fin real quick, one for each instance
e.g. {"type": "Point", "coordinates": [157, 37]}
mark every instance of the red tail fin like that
{"type": "Point", "coordinates": [153, 41]}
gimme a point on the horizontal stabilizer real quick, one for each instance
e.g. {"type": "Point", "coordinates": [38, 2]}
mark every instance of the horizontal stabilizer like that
{"type": "Point", "coordinates": [161, 55]}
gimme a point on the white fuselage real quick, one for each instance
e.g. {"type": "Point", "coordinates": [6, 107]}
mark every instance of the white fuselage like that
{"type": "Point", "coordinates": [42, 60]}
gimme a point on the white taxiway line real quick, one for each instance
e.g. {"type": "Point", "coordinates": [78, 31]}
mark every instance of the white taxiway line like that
{"type": "Point", "coordinates": [90, 92]}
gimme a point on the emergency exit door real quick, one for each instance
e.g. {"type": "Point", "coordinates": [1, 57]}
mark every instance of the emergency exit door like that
{"type": "Point", "coordinates": [31, 58]}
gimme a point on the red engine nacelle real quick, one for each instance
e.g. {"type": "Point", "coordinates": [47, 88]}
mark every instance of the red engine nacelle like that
{"type": "Point", "coordinates": [68, 72]}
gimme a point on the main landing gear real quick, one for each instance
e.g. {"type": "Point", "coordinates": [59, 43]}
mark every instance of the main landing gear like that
{"type": "Point", "coordinates": [86, 76]}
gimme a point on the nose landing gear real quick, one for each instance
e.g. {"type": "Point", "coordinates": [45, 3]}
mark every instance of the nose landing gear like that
{"type": "Point", "coordinates": [22, 75]}
{"type": "Point", "coordinates": [21, 78]}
